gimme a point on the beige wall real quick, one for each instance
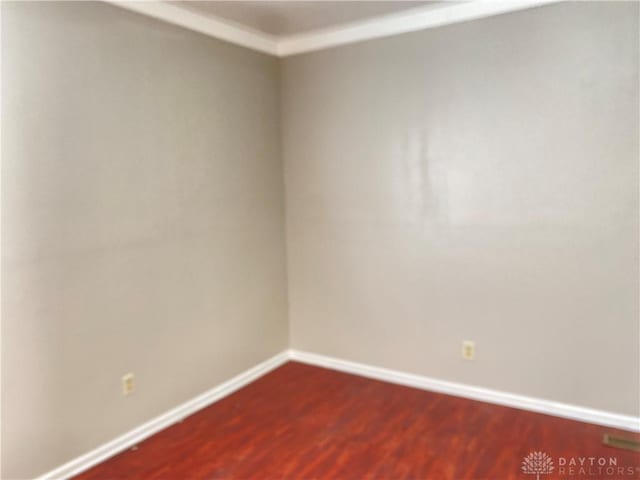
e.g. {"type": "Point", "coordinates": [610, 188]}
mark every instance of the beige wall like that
{"type": "Point", "coordinates": [477, 181]}
{"type": "Point", "coordinates": [142, 223]}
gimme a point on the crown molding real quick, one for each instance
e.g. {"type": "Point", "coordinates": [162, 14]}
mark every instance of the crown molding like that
{"type": "Point", "coordinates": [412, 20]}
{"type": "Point", "coordinates": [211, 26]}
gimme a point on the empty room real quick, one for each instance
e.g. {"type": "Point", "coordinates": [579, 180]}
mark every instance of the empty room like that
{"type": "Point", "coordinates": [320, 240]}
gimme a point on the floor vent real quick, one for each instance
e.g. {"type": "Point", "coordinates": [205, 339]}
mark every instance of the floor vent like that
{"type": "Point", "coordinates": [620, 442]}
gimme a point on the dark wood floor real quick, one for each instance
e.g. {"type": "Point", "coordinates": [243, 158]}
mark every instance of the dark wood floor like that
{"type": "Point", "coordinates": [303, 422]}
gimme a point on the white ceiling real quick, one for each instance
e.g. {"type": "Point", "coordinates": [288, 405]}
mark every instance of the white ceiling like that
{"type": "Point", "coordinates": [284, 18]}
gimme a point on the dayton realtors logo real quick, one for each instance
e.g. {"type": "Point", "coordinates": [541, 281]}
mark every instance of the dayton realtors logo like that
{"type": "Point", "coordinates": [540, 463]}
{"type": "Point", "coordinates": [537, 463]}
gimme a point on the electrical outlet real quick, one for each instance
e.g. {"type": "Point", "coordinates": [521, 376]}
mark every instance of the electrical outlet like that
{"type": "Point", "coordinates": [128, 384]}
{"type": "Point", "coordinates": [468, 350]}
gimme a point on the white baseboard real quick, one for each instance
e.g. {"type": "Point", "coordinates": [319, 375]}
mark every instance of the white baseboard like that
{"type": "Point", "coordinates": [548, 407]}
{"type": "Point", "coordinates": [161, 422]}
{"type": "Point", "coordinates": [129, 439]}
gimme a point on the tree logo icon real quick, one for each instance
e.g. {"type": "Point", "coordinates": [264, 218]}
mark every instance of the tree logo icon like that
{"type": "Point", "coordinates": [537, 463]}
